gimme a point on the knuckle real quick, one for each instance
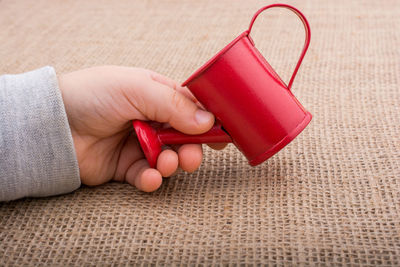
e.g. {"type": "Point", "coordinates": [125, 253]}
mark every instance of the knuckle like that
{"type": "Point", "coordinates": [178, 101]}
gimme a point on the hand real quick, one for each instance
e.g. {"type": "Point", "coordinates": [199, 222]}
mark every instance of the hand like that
{"type": "Point", "coordinates": [101, 103]}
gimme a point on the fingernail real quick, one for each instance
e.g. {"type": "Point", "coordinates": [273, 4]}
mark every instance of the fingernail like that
{"type": "Point", "coordinates": [203, 117]}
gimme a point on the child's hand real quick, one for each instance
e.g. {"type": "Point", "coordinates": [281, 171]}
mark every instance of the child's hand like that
{"type": "Point", "coordinates": [101, 102]}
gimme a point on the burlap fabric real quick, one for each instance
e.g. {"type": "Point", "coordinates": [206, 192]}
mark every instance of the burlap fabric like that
{"type": "Point", "coordinates": [331, 197]}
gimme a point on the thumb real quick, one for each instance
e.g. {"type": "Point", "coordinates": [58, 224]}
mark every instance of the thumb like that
{"type": "Point", "coordinates": [162, 103]}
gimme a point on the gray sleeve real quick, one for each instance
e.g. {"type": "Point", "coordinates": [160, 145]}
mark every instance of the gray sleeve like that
{"type": "Point", "coordinates": [37, 156]}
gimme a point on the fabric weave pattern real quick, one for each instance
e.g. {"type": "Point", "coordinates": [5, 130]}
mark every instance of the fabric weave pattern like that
{"type": "Point", "coordinates": [331, 197]}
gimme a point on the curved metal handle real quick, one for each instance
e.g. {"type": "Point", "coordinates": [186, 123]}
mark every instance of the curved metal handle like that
{"type": "Point", "coordinates": [306, 27]}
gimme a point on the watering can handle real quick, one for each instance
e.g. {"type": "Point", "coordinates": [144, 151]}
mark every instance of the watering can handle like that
{"type": "Point", "coordinates": [306, 27]}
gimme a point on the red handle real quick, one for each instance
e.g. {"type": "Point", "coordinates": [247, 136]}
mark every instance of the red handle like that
{"type": "Point", "coordinates": [306, 27]}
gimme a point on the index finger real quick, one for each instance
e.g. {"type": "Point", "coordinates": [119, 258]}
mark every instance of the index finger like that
{"type": "Point", "coordinates": [218, 146]}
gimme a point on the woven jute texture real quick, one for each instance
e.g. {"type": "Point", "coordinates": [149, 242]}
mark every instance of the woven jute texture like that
{"type": "Point", "coordinates": [331, 197]}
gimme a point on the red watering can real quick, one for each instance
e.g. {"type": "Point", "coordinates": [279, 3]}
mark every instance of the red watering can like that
{"type": "Point", "coordinates": [253, 107]}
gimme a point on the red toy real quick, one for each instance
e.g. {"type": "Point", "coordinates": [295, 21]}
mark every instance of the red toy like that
{"type": "Point", "coordinates": [254, 108]}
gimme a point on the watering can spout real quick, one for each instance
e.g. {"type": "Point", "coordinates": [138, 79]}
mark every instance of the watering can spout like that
{"type": "Point", "coordinates": [151, 140]}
